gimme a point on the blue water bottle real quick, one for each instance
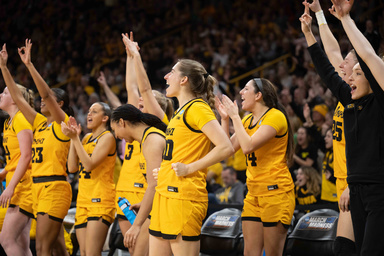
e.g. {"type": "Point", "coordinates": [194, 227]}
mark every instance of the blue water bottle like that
{"type": "Point", "coordinates": [124, 206]}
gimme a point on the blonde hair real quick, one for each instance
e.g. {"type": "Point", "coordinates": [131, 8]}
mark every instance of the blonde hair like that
{"type": "Point", "coordinates": [27, 94]}
{"type": "Point", "coordinates": [165, 103]}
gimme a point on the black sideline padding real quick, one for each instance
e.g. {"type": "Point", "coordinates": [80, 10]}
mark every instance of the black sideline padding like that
{"type": "Point", "coordinates": [221, 233]}
{"type": "Point", "coordinates": [314, 234]}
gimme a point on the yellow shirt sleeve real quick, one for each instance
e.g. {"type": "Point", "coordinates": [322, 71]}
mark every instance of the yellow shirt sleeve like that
{"type": "Point", "coordinates": [278, 121]}
{"type": "Point", "coordinates": [20, 123]}
{"type": "Point", "coordinates": [199, 114]}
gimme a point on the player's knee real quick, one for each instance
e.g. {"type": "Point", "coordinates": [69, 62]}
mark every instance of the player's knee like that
{"type": "Point", "coordinates": [344, 247]}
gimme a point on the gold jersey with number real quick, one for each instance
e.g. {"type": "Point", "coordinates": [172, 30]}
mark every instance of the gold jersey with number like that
{"type": "Point", "coordinates": [131, 179]}
{"type": "Point", "coordinates": [340, 160]}
{"type": "Point", "coordinates": [267, 170]}
{"type": "Point", "coordinates": [328, 188]}
{"type": "Point", "coordinates": [96, 187]}
{"type": "Point", "coordinates": [142, 161]}
{"type": "Point", "coordinates": [186, 143]}
{"type": "Point", "coordinates": [11, 142]}
{"type": "Point", "coordinates": [49, 148]}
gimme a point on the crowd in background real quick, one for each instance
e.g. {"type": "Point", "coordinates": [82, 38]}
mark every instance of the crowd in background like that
{"type": "Point", "coordinates": [74, 40]}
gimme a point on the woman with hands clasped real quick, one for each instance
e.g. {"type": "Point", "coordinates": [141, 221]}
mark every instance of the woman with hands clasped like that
{"type": "Point", "coordinates": [95, 208]}
{"type": "Point", "coordinates": [17, 142]}
{"type": "Point", "coordinates": [51, 192]}
{"type": "Point", "coordinates": [266, 139]}
{"type": "Point", "coordinates": [364, 118]}
{"type": "Point", "coordinates": [181, 200]}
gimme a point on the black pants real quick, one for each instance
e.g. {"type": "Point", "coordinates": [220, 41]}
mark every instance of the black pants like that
{"type": "Point", "coordinates": [367, 211]}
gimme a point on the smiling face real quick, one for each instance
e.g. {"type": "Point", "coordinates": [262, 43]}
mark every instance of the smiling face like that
{"type": "Point", "coordinates": [346, 67]}
{"type": "Point", "coordinates": [248, 96]}
{"type": "Point", "coordinates": [6, 100]}
{"type": "Point", "coordinates": [173, 79]}
{"type": "Point", "coordinates": [96, 116]}
{"type": "Point", "coordinates": [359, 84]}
{"type": "Point", "coordinates": [328, 139]}
{"type": "Point", "coordinates": [302, 137]}
{"type": "Point", "coordinates": [301, 178]}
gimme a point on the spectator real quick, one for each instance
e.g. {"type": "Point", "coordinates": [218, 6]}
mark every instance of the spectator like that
{"type": "Point", "coordinates": [233, 190]}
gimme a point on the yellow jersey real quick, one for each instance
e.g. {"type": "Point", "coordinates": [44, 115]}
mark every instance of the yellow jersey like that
{"type": "Point", "coordinates": [11, 144]}
{"type": "Point", "coordinates": [96, 187]}
{"type": "Point", "coordinates": [340, 160]}
{"type": "Point", "coordinates": [186, 143]}
{"type": "Point", "coordinates": [49, 148]}
{"type": "Point", "coordinates": [328, 188]}
{"type": "Point", "coordinates": [267, 170]}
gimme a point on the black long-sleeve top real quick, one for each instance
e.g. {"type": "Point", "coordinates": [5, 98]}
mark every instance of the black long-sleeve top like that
{"type": "Point", "coordinates": [363, 121]}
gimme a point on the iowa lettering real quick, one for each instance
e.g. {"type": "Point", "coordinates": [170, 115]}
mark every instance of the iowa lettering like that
{"type": "Point", "coordinates": [170, 131]}
{"type": "Point", "coordinates": [38, 141]}
{"type": "Point", "coordinates": [338, 112]}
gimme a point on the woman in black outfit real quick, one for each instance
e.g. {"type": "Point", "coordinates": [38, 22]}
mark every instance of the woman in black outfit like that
{"type": "Point", "coordinates": [363, 126]}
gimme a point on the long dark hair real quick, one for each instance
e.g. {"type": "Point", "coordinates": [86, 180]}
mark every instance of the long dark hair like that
{"type": "Point", "coordinates": [270, 99]}
{"type": "Point", "coordinates": [107, 112]}
{"type": "Point", "coordinates": [61, 95]}
{"type": "Point", "coordinates": [131, 114]}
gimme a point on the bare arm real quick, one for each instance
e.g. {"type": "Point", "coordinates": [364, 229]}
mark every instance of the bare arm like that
{"type": "Point", "coordinates": [130, 77]}
{"type": "Point", "coordinates": [145, 88]}
{"type": "Point", "coordinates": [106, 145]}
{"type": "Point", "coordinates": [28, 112]}
{"type": "Point", "coordinates": [25, 143]}
{"type": "Point", "coordinates": [153, 148]}
{"type": "Point", "coordinates": [364, 49]}
{"type": "Point", "coordinates": [112, 98]}
{"type": "Point", "coordinates": [45, 92]}
{"type": "Point", "coordinates": [223, 149]}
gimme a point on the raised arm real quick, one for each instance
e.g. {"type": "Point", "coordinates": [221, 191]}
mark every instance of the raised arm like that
{"type": "Point", "coordinates": [130, 78]}
{"type": "Point", "coordinates": [112, 98]}
{"type": "Point", "coordinates": [45, 92]}
{"type": "Point", "coordinates": [364, 49]}
{"type": "Point", "coordinates": [153, 148]}
{"type": "Point", "coordinates": [16, 94]}
{"type": "Point", "coordinates": [306, 22]}
{"type": "Point", "coordinates": [331, 46]}
{"type": "Point", "coordinates": [145, 88]}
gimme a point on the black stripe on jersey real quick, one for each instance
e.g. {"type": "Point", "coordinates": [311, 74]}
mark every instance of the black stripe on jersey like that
{"type": "Point", "coordinates": [253, 126]}
{"type": "Point", "coordinates": [53, 130]}
{"type": "Point", "coordinates": [30, 215]}
{"type": "Point", "coordinates": [113, 153]}
{"type": "Point", "coordinates": [185, 114]}
{"type": "Point", "coordinates": [281, 136]}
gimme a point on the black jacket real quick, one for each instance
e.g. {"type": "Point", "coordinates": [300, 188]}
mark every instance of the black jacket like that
{"type": "Point", "coordinates": [363, 121]}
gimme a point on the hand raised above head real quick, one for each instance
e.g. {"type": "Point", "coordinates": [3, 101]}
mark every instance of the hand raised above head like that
{"type": "Point", "coordinates": [25, 52]}
{"type": "Point", "coordinates": [132, 48]}
{"type": "Point", "coordinates": [3, 56]}
{"type": "Point", "coordinates": [341, 8]}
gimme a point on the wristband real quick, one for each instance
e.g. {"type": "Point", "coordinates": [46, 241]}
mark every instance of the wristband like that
{"type": "Point", "coordinates": [320, 18]}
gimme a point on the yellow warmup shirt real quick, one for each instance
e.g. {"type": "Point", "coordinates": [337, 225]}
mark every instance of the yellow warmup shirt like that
{"type": "Point", "coordinates": [96, 188]}
{"type": "Point", "coordinates": [340, 160]}
{"type": "Point", "coordinates": [186, 143]}
{"type": "Point", "coordinates": [267, 171]}
{"type": "Point", "coordinates": [49, 148]}
{"type": "Point", "coordinates": [11, 143]}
